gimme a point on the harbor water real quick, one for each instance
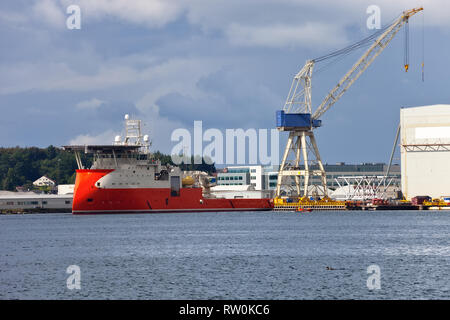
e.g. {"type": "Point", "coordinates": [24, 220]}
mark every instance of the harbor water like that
{"type": "Point", "coordinates": [237, 255]}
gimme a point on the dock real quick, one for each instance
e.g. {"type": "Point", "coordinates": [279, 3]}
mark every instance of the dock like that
{"type": "Point", "coordinates": [302, 204]}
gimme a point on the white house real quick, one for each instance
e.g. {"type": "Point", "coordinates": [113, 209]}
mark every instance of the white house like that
{"type": "Point", "coordinates": [44, 181]}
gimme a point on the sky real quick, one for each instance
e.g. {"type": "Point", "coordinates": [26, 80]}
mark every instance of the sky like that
{"type": "Point", "coordinates": [229, 63]}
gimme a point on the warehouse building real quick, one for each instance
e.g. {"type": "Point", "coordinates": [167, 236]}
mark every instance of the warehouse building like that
{"type": "Point", "coordinates": [34, 201]}
{"type": "Point", "coordinates": [265, 177]}
{"type": "Point", "coordinates": [425, 151]}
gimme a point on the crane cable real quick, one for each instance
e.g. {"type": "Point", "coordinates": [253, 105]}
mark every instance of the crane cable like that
{"type": "Point", "coordinates": [339, 58]}
{"type": "Point", "coordinates": [360, 44]}
{"type": "Point", "coordinates": [344, 52]}
{"type": "Point", "coordinates": [351, 47]}
{"type": "Point", "coordinates": [406, 57]}
{"type": "Point", "coordinates": [423, 47]}
{"type": "Point", "coordinates": [341, 54]}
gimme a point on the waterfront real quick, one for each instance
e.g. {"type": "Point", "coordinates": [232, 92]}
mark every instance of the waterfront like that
{"type": "Point", "coordinates": [239, 255]}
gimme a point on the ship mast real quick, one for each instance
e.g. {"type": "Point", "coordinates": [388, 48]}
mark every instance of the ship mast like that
{"type": "Point", "coordinates": [133, 135]}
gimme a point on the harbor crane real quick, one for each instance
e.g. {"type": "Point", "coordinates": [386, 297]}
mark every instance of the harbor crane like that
{"type": "Point", "coordinates": [301, 159]}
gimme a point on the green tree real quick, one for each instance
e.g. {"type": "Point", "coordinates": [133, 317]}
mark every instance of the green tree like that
{"type": "Point", "coordinates": [8, 182]}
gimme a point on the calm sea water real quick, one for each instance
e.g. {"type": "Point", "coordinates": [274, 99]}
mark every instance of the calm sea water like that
{"type": "Point", "coordinates": [241, 255]}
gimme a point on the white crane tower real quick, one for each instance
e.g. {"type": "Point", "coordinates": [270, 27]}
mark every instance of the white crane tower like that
{"type": "Point", "coordinates": [301, 158]}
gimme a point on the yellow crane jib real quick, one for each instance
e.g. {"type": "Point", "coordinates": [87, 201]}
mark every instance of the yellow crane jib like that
{"type": "Point", "coordinates": [410, 13]}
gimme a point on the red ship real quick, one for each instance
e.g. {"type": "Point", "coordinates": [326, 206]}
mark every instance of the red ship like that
{"type": "Point", "coordinates": [125, 179]}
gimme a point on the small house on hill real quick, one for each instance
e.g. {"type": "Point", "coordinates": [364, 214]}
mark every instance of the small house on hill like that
{"type": "Point", "coordinates": [44, 181]}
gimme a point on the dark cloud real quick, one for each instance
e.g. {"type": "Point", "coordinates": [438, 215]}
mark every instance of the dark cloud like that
{"type": "Point", "coordinates": [40, 119]}
{"type": "Point", "coordinates": [230, 101]}
{"type": "Point", "coordinates": [250, 85]}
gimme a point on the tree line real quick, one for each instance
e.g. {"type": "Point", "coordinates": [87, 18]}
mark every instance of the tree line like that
{"type": "Point", "coordinates": [21, 166]}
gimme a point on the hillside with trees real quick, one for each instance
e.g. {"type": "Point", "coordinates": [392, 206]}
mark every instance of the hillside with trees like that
{"type": "Point", "coordinates": [22, 166]}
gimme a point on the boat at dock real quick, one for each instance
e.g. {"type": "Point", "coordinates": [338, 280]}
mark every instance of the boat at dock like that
{"type": "Point", "coordinates": [125, 178]}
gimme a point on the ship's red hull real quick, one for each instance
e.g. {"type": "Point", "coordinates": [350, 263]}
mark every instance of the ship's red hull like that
{"type": "Point", "coordinates": [89, 199]}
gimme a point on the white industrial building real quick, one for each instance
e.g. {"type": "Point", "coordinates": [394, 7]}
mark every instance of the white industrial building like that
{"type": "Point", "coordinates": [30, 200]}
{"type": "Point", "coordinates": [66, 188]}
{"type": "Point", "coordinates": [240, 191]}
{"type": "Point", "coordinates": [242, 175]}
{"type": "Point", "coordinates": [425, 151]}
{"type": "Point", "coordinates": [265, 177]}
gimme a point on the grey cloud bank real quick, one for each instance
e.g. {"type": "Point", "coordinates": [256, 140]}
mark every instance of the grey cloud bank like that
{"type": "Point", "coordinates": [228, 63]}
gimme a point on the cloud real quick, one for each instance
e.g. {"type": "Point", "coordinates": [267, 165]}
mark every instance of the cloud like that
{"type": "Point", "coordinates": [106, 137]}
{"type": "Point", "coordinates": [227, 101]}
{"type": "Point", "coordinates": [220, 15]}
{"type": "Point", "coordinates": [53, 76]}
{"type": "Point", "coordinates": [12, 18]}
{"type": "Point", "coordinates": [151, 13]}
{"type": "Point", "coordinates": [227, 62]}
{"type": "Point", "coordinates": [309, 35]}
{"type": "Point", "coordinates": [90, 104]}
{"type": "Point", "coordinates": [49, 12]}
